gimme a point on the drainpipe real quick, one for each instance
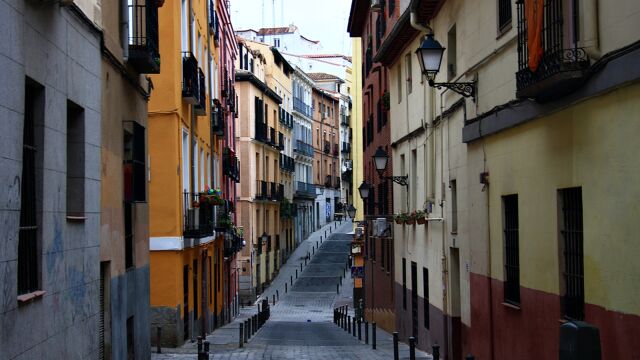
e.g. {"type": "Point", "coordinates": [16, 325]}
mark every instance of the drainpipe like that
{"type": "Point", "coordinates": [124, 27]}
{"type": "Point", "coordinates": [413, 19]}
{"type": "Point", "coordinates": [589, 16]}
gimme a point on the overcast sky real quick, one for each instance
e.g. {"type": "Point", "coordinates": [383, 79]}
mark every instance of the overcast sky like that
{"type": "Point", "coordinates": [324, 20]}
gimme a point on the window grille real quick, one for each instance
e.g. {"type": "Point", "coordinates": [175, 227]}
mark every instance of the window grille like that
{"type": "Point", "coordinates": [572, 233]}
{"type": "Point", "coordinates": [504, 14]}
{"type": "Point", "coordinates": [404, 284]}
{"type": "Point", "coordinates": [511, 247]}
{"type": "Point", "coordinates": [425, 290]}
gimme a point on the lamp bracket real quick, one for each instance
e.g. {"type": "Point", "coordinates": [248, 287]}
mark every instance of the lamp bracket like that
{"type": "Point", "coordinates": [400, 180]}
{"type": "Point", "coordinates": [466, 89]}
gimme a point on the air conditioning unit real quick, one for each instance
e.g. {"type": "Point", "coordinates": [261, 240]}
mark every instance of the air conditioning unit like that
{"type": "Point", "coordinates": [380, 227]}
{"type": "Point", "coordinates": [376, 5]}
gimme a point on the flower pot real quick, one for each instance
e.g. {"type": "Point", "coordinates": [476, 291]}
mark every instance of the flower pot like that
{"type": "Point", "coordinates": [399, 221]}
{"type": "Point", "coordinates": [409, 221]}
{"type": "Point", "coordinates": [421, 220]}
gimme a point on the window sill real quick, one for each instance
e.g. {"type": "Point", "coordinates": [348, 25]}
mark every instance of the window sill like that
{"type": "Point", "coordinates": [512, 306]}
{"type": "Point", "coordinates": [71, 218]}
{"type": "Point", "coordinates": [25, 299]}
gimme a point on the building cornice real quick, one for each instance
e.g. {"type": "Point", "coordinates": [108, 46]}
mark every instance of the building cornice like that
{"type": "Point", "coordinates": [247, 76]}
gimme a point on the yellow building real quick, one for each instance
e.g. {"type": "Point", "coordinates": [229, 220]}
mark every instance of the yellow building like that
{"type": "Point", "coordinates": [356, 126]}
{"type": "Point", "coordinates": [264, 126]}
{"type": "Point", "coordinates": [192, 176]}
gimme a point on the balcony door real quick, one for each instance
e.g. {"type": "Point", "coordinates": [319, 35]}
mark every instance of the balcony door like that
{"type": "Point", "coordinates": [185, 161]}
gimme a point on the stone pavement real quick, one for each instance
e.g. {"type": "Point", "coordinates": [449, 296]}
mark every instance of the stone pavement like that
{"type": "Point", "coordinates": [301, 323]}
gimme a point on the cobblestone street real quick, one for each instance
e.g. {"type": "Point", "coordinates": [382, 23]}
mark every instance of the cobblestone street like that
{"type": "Point", "coordinates": [301, 326]}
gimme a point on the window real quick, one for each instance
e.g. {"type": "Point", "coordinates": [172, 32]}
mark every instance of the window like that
{"type": "Point", "coordinates": [128, 235]}
{"type": "Point", "coordinates": [131, 349]}
{"type": "Point", "coordinates": [202, 170]}
{"type": "Point", "coordinates": [409, 71]}
{"type": "Point", "coordinates": [454, 207]}
{"type": "Point", "coordinates": [195, 165]}
{"type": "Point", "coordinates": [184, 29]}
{"type": "Point", "coordinates": [425, 293]}
{"type": "Point", "coordinates": [451, 53]}
{"type": "Point", "coordinates": [504, 15]}
{"type": "Point", "coordinates": [276, 42]}
{"type": "Point", "coordinates": [75, 160]}
{"type": "Point", "coordinates": [104, 321]}
{"type": "Point", "coordinates": [414, 298]}
{"type": "Point", "coordinates": [392, 7]}
{"type": "Point", "coordinates": [134, 164]}
{"type": "Point", "coordinates": [28, 259]}
{"type": "Point", "coordinates": [404, 284]}
{"type": "Point", "coordinates": [399, 81]}
{"type": "Point", "coordinates": [511, 249]}
{"type": "Point", "coordinates": [572, 248]}
{"type": "Point", "coordinates": [185, 161]}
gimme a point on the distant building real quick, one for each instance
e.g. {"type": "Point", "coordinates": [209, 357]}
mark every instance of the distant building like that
{"type": "Point", "coordinates": [287, 39]}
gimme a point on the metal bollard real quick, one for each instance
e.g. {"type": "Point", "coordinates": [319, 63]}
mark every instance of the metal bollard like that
{"type": "Point", "coordinates": [274, 299]}
{"type": "Point", "coordinates": [373, 335]}
{"type": "Point", "coordinates": [158, 339]}
{"type": "Point", "coordinates": [436, 351]}
{"type": "Point", "coordinates": [301, 266]}
{"type": "Point", "coordinates": [285, 287]}
{"type": "Point", "coordinates": [278, 295]}
{"type": "Point", "coordinates": [366, 332]}
{"type": "Point", "coordinates": [313, 250]}
{"type": "Point", "coordinates": [353, 327]}
{"type": "Point", "coordinates": [291, 280]}
{"type": "Point", "coordinates": [396, 353]}
{"type": "Point", "coordinates": [349, 323]}
{"type": "Point", "coordinates": [247, 333]}
{"type": "Point", "coordinates": [305, 261]}
{"type": "Point", "coordinates": [412, 348]}
{"type": "Point", "coordinates": [296, 273]}
{"type": "Point", "coordinates": [241, 334]}
{"type": "Point", "coordinates": [359, 330]}
{"type": "Point", "coordinates": [337, 288]}
{"type": "Point", "coordinates": [340, 281]}
{"type": "Point", "coordinates": [206, 348]}
{"type": "Point", "coordinates": [254, 328]}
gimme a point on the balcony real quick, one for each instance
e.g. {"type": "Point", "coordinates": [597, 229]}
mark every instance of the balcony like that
{"type": "Point", "coordinates": [261, 132]}
{"type": "Point", "coordinates": [301, 107]}
{"type": "Point", "coordinates": [230, 165]}
{"type": "Point", "coordinates": [562, 67]}
{"type": "Point", "coordinates": [347, 176]}
{"type": "Point", "coordinates": [269, 191]}
{"type": "Point", "coordinates": [305, 190]}
{"type": "Point", "coordinates": [272, 140]}
{"type": "Point", "coordinates": [190, 80]}
{"type": "Point", "coordinates": [200, 109]}
{"type": "Point", "coordinates": [328, 181]}
{"type": "Point", "coordinates": [346, 147]}
{"type": "Point", "coordinates": [233, 243]}
{"type": "Point", "coordinates": [214, 22]}
{"type": "Point", "coordinates": [201, 215]}
{"type": "Point", "coordinates": [288, 210]}
{"type": "Point", "coordinates": [327, 147]}
{"type": "Point", "coordinates": [303, 148]}
{"type": "Point", "coordinates": [345, 120]}
{"type": "Point", "coordinates": [217, 118]}
{"type": "Point", "coordinates": [336, 149]}
{"type": "Point", "coordinates": [286, 119]}
{"type": "Point", "coordinates": [144, 51]}
{"type": "Point", "coordinates": [287, 163]}
{"type": "Point", "coordinates": [262, 190]}
{"type": "Point", "coordinates": [280, 141]}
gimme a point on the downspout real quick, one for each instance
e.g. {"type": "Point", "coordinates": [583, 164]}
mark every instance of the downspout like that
{"type": "Point", "coordinates": [124, 29]}
{"type": "Point", "coordinates": [589, 16]}
{"type": "Point", "coordinates": [205, 309]}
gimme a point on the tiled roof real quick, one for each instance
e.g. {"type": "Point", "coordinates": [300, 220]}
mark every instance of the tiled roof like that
{"type": "Point", "coordinates": [322, 76]}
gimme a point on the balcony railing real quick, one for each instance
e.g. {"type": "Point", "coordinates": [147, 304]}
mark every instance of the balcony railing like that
{"type": "Point", "coordinates": [217, 118]}
{"type": "Point", "coordinates": [345, 120]}
{"type": "Point", "coordinates": [301, 107]}
{"type": "Point", "coordinates": [190, 80]}
{"type": "Point", "coordinates": [233, 243]}
{"type": "Point", "coordinates": [287, 163]}
{"type": "Point", "coordinates": [272, 140]}
{"type": "Point", "coordinates": [336, 149]}
{"type": "Point", "coordinates": [306, 190]}
{"type": "Point", "coordinates": [144, 51]}
{"type": "Point", "coordinates": [269, 191]}
{"type": "Point", "coordinates": [286, 118]}
{"type": "Point", "coordinates": [214, 22]}
{"type": "Point", "coordinates": [230, 165]}
{"type": "Point", "coordinates": [200, 109]}
{"type": "Point", "coordinates": [201, 215]}
{"type": "Point", "coordinates": [336, 182]}
{"type": "Point", "coordinates": [562, 65]}
{"type": "Point", "coordinates": [347, 176]}
{"type": "Point", "coordinates": [328, 181]}
{"type": "Point", "coordinates": [327, 147]}
{"type": "Point", "coordinates": [280, 141]}
{"type": "Point", "coordinates": [261, 132]}
{"type": "Point", "coordinates": [303, 148]}
{"type": "Point", "coordinates": [346, 147]}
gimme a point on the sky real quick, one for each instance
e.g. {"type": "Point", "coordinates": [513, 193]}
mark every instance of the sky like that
{"type": "Point", "coordinates": [324, 20]}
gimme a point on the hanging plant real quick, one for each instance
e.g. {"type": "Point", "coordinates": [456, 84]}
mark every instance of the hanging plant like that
{"type": "Point", "coordinates": [419, 215]}
{"type": "Point", "coordinates": [400, 218]}
{"type": "Point", "coordinates": [386, 101]}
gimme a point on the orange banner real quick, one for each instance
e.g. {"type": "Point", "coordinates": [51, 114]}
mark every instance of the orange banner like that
{"type": "Point", "coordinates": [534, 14]}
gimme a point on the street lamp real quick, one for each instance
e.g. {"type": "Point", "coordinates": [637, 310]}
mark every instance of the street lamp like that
{"type": "Point", "coordinates": [351, 211]}
{"type": "Point", "coordinates": [380, 159]}
{"type": "Point", "coordinates": [430, 58]}
{"type": "Point", "coordinates": [264, 237]}
{"type": "Point", "coordinates": [363, 189]}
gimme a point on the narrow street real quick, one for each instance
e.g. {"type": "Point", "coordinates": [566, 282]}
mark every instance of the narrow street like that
{"type": "Point", "coordinates": [301, 326]}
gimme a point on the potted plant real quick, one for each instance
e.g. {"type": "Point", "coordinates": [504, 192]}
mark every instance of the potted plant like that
{"type": "Point", "coordinates": [386, 101]}
{"type": "Point", "coordinates": [399, 218]}
{"type": "Point", "coordinates": [410, 219]}
{"type": "Point", "coordinates": [419, 215]}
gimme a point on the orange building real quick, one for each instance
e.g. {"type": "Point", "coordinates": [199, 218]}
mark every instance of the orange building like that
{"type": "Point", "coordinates": [193, 171]}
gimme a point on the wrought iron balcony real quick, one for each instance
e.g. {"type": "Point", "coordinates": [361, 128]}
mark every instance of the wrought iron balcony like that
{"type": "Point", "coordinates": [261, 132]}
{"type": "Point", "coordinates": [336, 149]}
{"type": "Point", "coordinates": [217, 118]}
{"type": "Point", "coordinates": [233, 243]}
{"type": "Point", "coordinates": [190, 79]}
{"type": "Point", "coordinates": [562, 66]}
{"type": "Point", "coordinates": [327, 147]}
{"type": "Point", "coordinates": [303, 148]}
{"type": "Point", "coordinates": [144, 51]}
{"type": "Point", "coordinates": [305, 190]}
{"type": "Point", "coordinates": [287, 163]}
{"type": "Point", "coordinates": [345, 120]}
{"type": "Point", "coordinates": [300, 106]}
{"type": "Point", "coordinates": [200, 108]}
{"type": "Point", "coordinates": [200, 213]}
{"type": "Point", "coordinates": [336, 182]}
{"type": "Point", "coordinates": [328, 182]}
{"type": "Point", "coordinates": [214, 22]}
{"type": "Point", "coordinates": [230, 165]}
{"type": "Point", "coordinates": [347, 176]}
{"type": "Point", "coordinates": [272, 140]}
{"type": "Point", "coordinates": [262, 190]}
{"type": "Point", "coordinates": [280, 141]}
{"type": "Point", "coordinates": [346, 147]}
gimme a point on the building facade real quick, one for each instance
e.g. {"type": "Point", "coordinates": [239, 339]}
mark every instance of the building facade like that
{"type": "Point", "coordinates": [124, 221]}
{"type": "Point", "coordinates": [50, 100]}
{"type": "Point", "coordinates": [264, 125]}
{"type": "Point", "coordinates": [372, 27]}
{"type": "Point", "coordinates": [326, 137]}
{"type": "Point", "coordinates": [193, 236]}
{"type": "Point", "coordinates": [304, 187]}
